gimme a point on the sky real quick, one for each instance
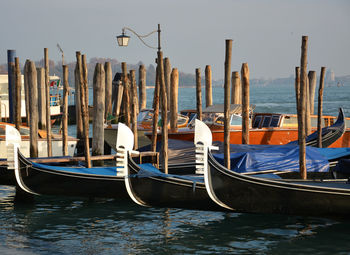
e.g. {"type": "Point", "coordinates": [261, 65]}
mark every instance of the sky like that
{"type": "Point", "coordinates": [266, 34]}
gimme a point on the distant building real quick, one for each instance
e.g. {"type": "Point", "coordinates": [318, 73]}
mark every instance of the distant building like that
{"type": "Point", "coordinates": [330, 77]}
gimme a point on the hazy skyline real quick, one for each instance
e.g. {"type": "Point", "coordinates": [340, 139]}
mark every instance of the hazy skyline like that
{"type": "Point", "coordinates": [267, 34]}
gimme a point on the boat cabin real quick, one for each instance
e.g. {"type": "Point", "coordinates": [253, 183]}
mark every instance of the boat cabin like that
{"type": "Point", "coordinates": [276, 120]}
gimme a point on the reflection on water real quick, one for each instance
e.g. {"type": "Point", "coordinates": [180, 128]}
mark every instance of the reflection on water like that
{"type": "Point", "coordinates": [105, 226]}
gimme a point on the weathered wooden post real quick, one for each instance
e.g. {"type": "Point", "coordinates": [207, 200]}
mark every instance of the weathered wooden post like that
{"type": "Point", "coordinates": [85, 83]}
{"type": "Point", "coordinates": [133, 90]}
{"type": "Point", "coordinates": [298, 101]}
{"type": "Point", "coordinates": [126, 96]}
{"type": "Point", "coordinates": [18, 86]}
{"type": "Point", "coordinates": [312, 87]}
{"type": "Point", "coordinates": [167, 73]}
{"type": "Point", "coordinates": [134, 107]}
{"type": "Point", "coordinates": [33, 108]}
{"type": "Point", "coordinates": [303, 96]}
{"type": "Point", "coordinates": [245, 103]}
{"type": "Point", "coordinates": [78, 117]}
{"type": "Point", "coordinates": [208, 86]}
{"type": "Point", "coordinates": [174, 88]}
{"type": "Point", "coordinates": [155, 111]}
{"type": "Point", "coordinates": [48, 110]}
{"type": "Point", "coordinates": [320, 106]}
{"type": "Point", "coordinates": [41, 97]}
{"type": "Point", "coordinates": [99, 112]}
{"type": "Point", "coordinates": [84, 109]}
{"type": "Point", "coordinates": [227, 100]}
{"type": "Point", "coordinates": [65, 111]}
{"type": "Point", "coordinates": [12, 100]}
{"type": "Point", "coordinates": [307, 109]}
{"type": "Point", "coordinates": [164, 149]}
{"type": "Point", "coordinates": [199, 93]}
{"type": "Point", "coordinates": [119, 92]}
{"type": "Point", "coordinates": [297, 91]}
{"type": "Point", "coordinates": [11, 82]}
{"type": "Point", "coordinates": [236, 92]}
{"type": "Point", "coordinates": [108, 90]}
{"type": "Point", "coordinates": [142, 87]}
{"type": "Point", "coordinates": [26, 90]}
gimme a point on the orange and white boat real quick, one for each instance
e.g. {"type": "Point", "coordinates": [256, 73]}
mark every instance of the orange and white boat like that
{"type": "Point", "coordinates": [265, 128]}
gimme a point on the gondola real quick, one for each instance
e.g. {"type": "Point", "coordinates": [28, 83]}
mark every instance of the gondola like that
{"type": "Point", "coordinates": [43, 179]}
{"type": "Point", "coordinates": [148, 186]}
{"type": "Point", "coordinates": [252, 194]}
{"type": "Point", "coordinates": [330, 134]}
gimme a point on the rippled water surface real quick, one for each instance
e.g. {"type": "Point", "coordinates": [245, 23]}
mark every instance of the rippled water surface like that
{"type": "Point", "coordinates": [60, 225]}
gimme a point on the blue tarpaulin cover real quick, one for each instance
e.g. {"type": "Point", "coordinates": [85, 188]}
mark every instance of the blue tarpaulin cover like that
{"type": "Point", "coordinates": [148, 170]}
{"type": "Point", "coordinates": [280, 158]}
{"type": "Point", "coordinates": [101, 171]}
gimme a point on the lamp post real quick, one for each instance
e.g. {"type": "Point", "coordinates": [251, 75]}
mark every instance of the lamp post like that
{"type": "Point", "coordinates": [123, 39]}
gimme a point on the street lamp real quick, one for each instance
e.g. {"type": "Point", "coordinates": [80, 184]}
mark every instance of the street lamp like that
{"type": "Point", "coordinates": [123, 39]}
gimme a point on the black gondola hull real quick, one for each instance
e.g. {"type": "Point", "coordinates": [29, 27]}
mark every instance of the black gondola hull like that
{"type": "Point", "coordinates": [169, 192]}
{"type": "Point", "coordinates": [45, 182]}
{"type": "Point", "coordinates": [258, 195]}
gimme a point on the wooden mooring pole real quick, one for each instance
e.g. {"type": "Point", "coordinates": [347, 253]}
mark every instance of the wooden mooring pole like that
{"type": "Point", "coordinates": [236, 92]}
{"type": "Point", "coordinates": [312, 87]}
{"type": "Point", "coordinates": [227, 100]}
{"type": "Point", "coordinates": [303, 97]}
{"type": "Point", "coordinates": [174, 91]}
{"type": "Point", "coordinates": [17, 101]}
{"type": "Point", "coordinates": [65, 111]}
{"type": "Point", "coordinates": [48, 110]}
{"type": "Point", "coordinates": [126, 95]}
{"type": "Point", "coordinates": [155, 111]}
{"type": "Point", "coordinates": [99, 112]}
{"type": "Point", "coordinates": [142, 87]}
{"type": "Point", "coordinates": [108, 90]}
{"type": "Point", "coordinates": [245, 103]}
{"type": "Point", "coordinates": [164, 149]}
{"type": "Point", "coordinates": [208, 86]}
{"type": "Point", "coordinates": [33, 108]}
{"type": "Point", "coordinates": [199, 93]}
{"type": "Point", "coordinates": [134, 108]}
{"type": "Point", "coordinates": [41, 97]}
{"type": "Point", "coordinates": [26, 90]}
{"type": "Point", "coordinates": [78, 117]}
{"type": "Point", "coordinates": [167, 73]}
{"type": "Point", "coordinates": [84, 109]}
{"type": "Point", "coordinates": [320, 107]}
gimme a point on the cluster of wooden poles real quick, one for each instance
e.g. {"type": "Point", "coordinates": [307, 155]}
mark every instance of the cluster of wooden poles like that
{"type": "Point", "coordinates": [37, 100]}
{"type": "Point", "coordinates": [127, 104]}
{"type": "Point", "coordinates": [305, 85]}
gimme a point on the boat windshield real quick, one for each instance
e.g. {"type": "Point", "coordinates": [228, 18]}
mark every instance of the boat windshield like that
{"type": "Point", "coordinates": [236, 120]}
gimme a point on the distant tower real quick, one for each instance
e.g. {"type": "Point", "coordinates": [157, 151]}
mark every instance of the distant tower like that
{"type": "Point", "coordinates": [330, 77]}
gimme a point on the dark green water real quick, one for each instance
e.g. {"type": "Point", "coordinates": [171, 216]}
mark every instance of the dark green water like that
{"type": "Point", "coordinates": [53, 225]}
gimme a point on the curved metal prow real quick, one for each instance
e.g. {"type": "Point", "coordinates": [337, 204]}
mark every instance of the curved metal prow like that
{"type": "Point", "coordinates": [203, 142]}
{"type": "Point", "coordinates": [13, 141]}
{"type": "Point", "coordinates": [124, 144]}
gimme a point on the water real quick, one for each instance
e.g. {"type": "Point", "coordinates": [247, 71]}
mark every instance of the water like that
{"type": "Point", "coordinates": [59, 225]}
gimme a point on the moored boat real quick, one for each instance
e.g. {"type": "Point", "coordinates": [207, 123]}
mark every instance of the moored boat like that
{"type": "Point", "coordinates": [269, 128]}
{"type": "Point", "coordinates": [43, 179]}
{"type": "Point", "coordinates": [55, 99]}
{"type": "Point", "coordinates": [252, 194]}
